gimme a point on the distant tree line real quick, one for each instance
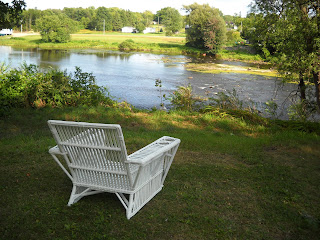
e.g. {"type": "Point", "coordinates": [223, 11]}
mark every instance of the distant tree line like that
{"type": "Point", "coordinates": [109, 19]}
{"type": "Point", "coordinates": [206, 26]}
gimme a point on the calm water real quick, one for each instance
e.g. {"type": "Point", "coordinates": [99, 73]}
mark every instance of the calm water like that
{"type": "Point", "coordinates": [131, 76]}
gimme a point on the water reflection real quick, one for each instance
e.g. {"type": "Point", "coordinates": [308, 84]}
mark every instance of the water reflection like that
{"type": "Point", "coordinates": [131, 76]}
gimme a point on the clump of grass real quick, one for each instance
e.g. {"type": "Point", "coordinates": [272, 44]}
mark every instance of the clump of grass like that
{"type": "Point", "coordinates": [128, 45]}
{"type": "Point", "coordinates": [184, 99]}
{"type": "Point", "coordinates": [238, 54]}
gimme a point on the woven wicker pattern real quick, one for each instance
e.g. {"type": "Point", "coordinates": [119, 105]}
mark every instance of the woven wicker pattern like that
{"type": "Point", "coordinates": [97, 161]}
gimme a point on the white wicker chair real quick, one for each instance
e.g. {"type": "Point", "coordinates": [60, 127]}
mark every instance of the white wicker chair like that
{"type": "Point", "coordinates": [97, 160]}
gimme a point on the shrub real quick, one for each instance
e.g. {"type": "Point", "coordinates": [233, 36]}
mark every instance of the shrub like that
{"type": "Point", "coordinates": [56, 28]}
{"type": "Point", "coordinates": [234, 36]}
{"type": "Point", "coordinates": [128, 44]}
{"type": "Point", "coordinates": [184, 99]}
{"type": "Point", "coordinates": [302, 110]}
{"type": "Point", "coordinates": [229, 100]}
{"type": "Point", "coordinates": [27, 86]}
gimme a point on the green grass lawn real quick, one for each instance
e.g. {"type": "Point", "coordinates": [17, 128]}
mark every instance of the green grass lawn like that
{"type": "Point", "coordinates": [145, 42]}
{"type": "Point", "coordinates": [232, 178]}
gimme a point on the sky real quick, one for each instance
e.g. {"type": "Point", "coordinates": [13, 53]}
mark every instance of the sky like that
{"type": "Point", "coordinates": [228, 7]}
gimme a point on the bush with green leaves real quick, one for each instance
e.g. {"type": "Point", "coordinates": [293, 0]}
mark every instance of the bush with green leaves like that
{"type": "Point", "coordinates": [207, 28]}
{"type": "Point", "coordinates": [302, 110]}
{"type": "Point", "coordinates": [28, 86]}
{"type": "Point", "coordinates": [128, 44]}
{"type": "Point", "coordinates": [184, 99]}
{"type": "Point", "coordinates": [234, 37]}
{"type": "Point", "coordinates": [56, 28]}
{"type": "Point", "coordinates": [172, 20]}
{"type": "Point", "coordinates": [228, 100]}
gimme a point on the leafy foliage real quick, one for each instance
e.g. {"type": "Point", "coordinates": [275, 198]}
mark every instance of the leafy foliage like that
{"type": "Point", "coordinates": [140, 27]}
{"type": "Point", "coordinates": [128, 44]}
{"type": "Point", "coordinates": [27, 86]}
{"type": "Point", "coordinates": [184, 99]}
{"type": "Point", "coordinates": [171, 19]}
{"type": "Point", "coordinates": [56, 28]}
{"type": "Point", "coordinates": [10, 14]}
{"type": "Point", "coordinates": [287, 32]}
{"type": "Point", "coordinates": [214, 34]}
{"type": "Point", "coordinates": [233, 36]}
{"type": "Point", "coordinates": [229, 100]}
{"type": "Point", "coordinates": [158, 84]}
{"type": "Point", "coordinates": [110, 19]}
{"type": "Point", "coordinates": [207, 27]}
{"type": "Point", "coordinates": [301, 111]}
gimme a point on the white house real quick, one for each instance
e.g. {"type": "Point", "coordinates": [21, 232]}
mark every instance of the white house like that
{"type": "Point", "coordinates": [149, 30]}
{"type": "Point", "coordinates": [127, 29]}
{"type": "Point", "coordinates": [6, 32]}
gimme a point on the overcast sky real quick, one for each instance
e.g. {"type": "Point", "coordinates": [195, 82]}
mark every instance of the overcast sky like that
{"type": "Point", "coordinates": [228, 7]}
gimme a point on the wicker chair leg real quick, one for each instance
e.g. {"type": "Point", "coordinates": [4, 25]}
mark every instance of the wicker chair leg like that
{"type": "Point", "coordinates": [139, 199]}
{"type": "Point", "coordinates": [79, 192]}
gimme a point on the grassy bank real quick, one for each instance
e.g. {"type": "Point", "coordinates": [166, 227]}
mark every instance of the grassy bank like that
{"type": "Point", "coordinates": [149, 42]}
{"type": "Point", "coordinates": [243, 53]}
{"type": "Point", "coordinates": [157, 43]}
{"type": "Point", "coordinates": [234, 177]}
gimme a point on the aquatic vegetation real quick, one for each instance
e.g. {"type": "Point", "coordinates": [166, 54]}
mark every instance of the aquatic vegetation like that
{"type": "Point", "coordinates": [224, 68]}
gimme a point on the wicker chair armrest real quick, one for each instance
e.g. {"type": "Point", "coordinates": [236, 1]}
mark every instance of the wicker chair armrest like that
{"type": "Point", "coordinates": [153, 151]}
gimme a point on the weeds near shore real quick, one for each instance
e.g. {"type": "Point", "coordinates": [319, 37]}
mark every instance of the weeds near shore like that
{"type": "Point", "coordinates": [28, 86]}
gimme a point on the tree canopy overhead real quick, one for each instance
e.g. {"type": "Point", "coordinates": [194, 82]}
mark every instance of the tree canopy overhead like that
{"type": "Point", "coordinates": [11, 13]}
{"type": "Point", "coordinates": [290, 31]}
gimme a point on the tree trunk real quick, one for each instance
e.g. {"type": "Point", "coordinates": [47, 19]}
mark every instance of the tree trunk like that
{"type": "Point", "coordinates": [316, 80]}
{"type": "Point", "coordinates": [302, 88]}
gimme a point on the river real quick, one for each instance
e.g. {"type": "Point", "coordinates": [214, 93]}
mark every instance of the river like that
{"type": "Point", "coordinates": [131, 76]}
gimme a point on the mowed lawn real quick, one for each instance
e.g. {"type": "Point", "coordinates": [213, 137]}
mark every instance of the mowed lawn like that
{"type": "Point", "coordinates": [139, 38]}
{"type": "Point", "coordinates": [232, 178]}
{"type": "Point", "coordinates": [144, 42]}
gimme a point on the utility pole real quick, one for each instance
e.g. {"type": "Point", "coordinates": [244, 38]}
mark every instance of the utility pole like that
{"type": "Point", "coordinates": [158, 25]}
{"type": "Point", "coordinates": [104, 26]}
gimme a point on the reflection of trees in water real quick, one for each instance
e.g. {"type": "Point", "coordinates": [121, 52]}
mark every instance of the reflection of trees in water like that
{"type": "Point", "coordinates": [53, 55]}
{"type": "Point", "coordinates": [116, 55]}
{"type": "Point", "coordinates": [50, 58]}
{"type": "Point", "coordinates": [56, 55]}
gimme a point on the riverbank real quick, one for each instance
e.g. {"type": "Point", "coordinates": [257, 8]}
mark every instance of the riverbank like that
{"type": "Point", "coordinates": [144, 43]}
{"type": "Point", "coordinates": [234, 177]}
{"type": "Point", "coordinates": [156, 43]}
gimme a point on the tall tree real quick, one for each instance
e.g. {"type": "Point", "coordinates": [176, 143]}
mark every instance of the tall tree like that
{"type": "Point", "coordinates": [171, 19]}
{"type": "Point", "coordinates": [117, 21]}
{"type": "Point", "coordinates": [11, 14]}
{"type": "Point", "coordinates": [207, 27]}
{"type": "Point", "coordinates": [293, 35]}
{"type": "Point", "coordinates": [148, 17]}
{"type": "Point", "coordinates": [29, 18]}
{"type": "Point", "coordinates": [56, 28]}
